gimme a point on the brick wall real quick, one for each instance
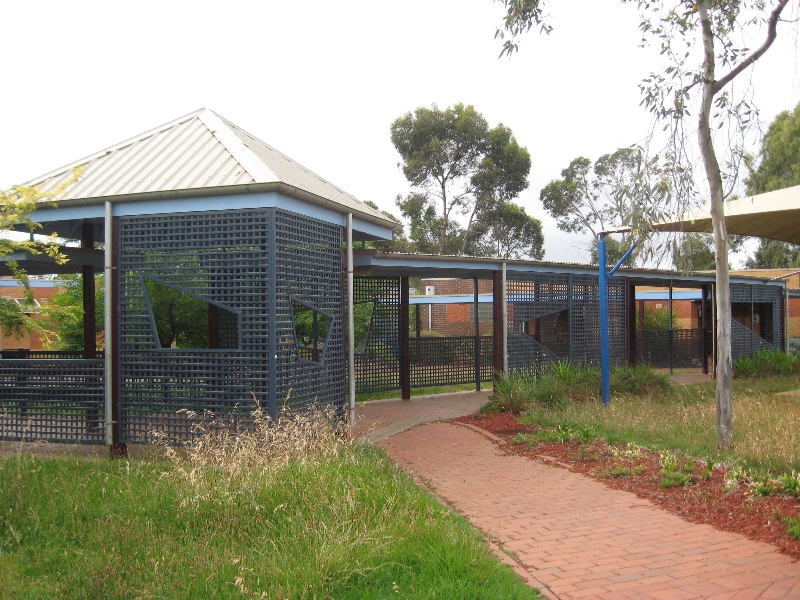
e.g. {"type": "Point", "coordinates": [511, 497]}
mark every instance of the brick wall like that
{"type": "Point", "coordinates": [11, 290]}
{"type": "Point", "coordinates": [453, 319]}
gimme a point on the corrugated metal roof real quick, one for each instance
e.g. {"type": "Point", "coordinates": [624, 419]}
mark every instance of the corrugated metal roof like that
{"type": "Point", "coordinates": [199, 150]}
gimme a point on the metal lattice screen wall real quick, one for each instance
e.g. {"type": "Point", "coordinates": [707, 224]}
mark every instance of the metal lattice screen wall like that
{"type": "Point", "coordinates": [377, 342]}
{"type": "Point", "coordinates": [243, 265]}
{"type": "Point", "coordinates": [744, 341]}
{"type": "Point", "coordinates": [308, 270]}
{"type": "Point", "coordinates": [53, 400]}
{"type": "Point", "coordinates": [220, 257]}
{"type": "Point", "coordinates": [556, 316]}
{"type": "Point", "coordinates": [449, 360]}
{"type": "Point", "coordinates": [679, 348]}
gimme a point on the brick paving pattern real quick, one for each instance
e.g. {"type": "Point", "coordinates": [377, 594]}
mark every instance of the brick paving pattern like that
{"type": "Point", "coordinates": [571, 536]}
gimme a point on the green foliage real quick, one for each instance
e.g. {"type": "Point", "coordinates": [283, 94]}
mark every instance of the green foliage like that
{"type": "Point", "coordinates": [792, 527]}
{"type": "Point", "coordinates": [674, 479]}
{"type": "Point", "coordinates": [456, 165]}
{"type": "Point", "coordinates": [766, 363]}
{"type": "Point", "coordinates": [63, 314]}
{"type": "Point", "coordinates": [13, 319]}
{"type": "Point", "coordinates": [612, 192]}
{"type": "Point", "coordinates": [694, 252]}
{"type": "Point", "coordinates": [511, 394]}
{"type": "Point", "coordinates": [657, 319]}
{"type": "Point", "coordinates": [619, 472]}
{"type": "Point", "coordinates": [779, 166]}
{"type": "Point", "coordinates": [342, 523]}
{"type": "Point", "coordinates": [790, 483]}
{"type": "Point", "coordinates": [181, 319]}
{"type": "Point", "coordinates": [773, 254]}
{"type": "Point", "coordinates": [638, 380]}
{"type": "Point", "coordinates": [16, 207]}
{"type": "Point", "coordinates": [763, 485]}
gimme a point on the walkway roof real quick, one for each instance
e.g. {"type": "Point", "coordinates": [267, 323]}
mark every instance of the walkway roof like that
{"type": "Point", "coordinates": [386, 264]}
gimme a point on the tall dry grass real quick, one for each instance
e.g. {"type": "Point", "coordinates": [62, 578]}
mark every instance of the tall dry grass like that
{"type": "Point", "coordinates": [766, 425]}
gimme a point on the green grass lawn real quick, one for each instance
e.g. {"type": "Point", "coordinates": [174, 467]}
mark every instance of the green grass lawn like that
{"type": "Point", "coordinates": [341, 523]}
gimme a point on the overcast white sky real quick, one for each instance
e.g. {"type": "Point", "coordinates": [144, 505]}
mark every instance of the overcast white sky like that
{"type": "Point", "coordinates": [322, 81]}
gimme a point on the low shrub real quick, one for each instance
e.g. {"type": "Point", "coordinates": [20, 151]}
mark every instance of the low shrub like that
{"type": "Point", "coordinates": [512, 395]}
{"type": "Point", "coordinates": [766, 363]}
{"type": "Point", "coordinates": [638, 380]}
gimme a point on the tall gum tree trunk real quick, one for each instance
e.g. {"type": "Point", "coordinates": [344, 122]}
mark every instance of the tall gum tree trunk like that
{"type": "Point", "coordinates": [722, 293]}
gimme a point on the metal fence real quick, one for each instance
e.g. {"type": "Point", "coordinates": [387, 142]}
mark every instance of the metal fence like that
{"type": "Point", "coordinates": [556, 316]}
{"type": "Point", "coordinates": [23, 353]}
{"type": "Point", "coordinates": [377, 339]}
{"type": "Point", "coordinates": [57, 400]}
{"type": "Point", "coordinates": [744, 342]}
{"type": "Point", "coordinates": [450, 360]}
{"type": "Point", "coordinates": [679, 348]}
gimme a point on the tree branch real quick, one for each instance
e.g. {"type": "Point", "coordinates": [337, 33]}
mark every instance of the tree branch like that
{"type": "Point", "coordinates": [772, 34]}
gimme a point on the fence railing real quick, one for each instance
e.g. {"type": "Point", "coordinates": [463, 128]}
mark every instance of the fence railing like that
{"type": "Point", "coordinates": [449, 360]}
{"type": "Point", "coordinates": [434, 361]}
{"type": "Point", "coordinates": [54, 400]}
{"type": "Point", "coordinates": [25, 354]}
{"type": "Point", "coordinates": [679, 348]}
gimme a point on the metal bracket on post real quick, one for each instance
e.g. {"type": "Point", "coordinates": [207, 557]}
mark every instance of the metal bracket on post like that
{"type": "Point", "coordinates": [605, 351]}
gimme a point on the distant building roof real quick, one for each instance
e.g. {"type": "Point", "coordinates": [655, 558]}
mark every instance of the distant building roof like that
{"type": "Point", "coordinates": [199, 151]}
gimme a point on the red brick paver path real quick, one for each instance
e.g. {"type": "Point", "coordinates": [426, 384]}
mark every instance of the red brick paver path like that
{"type": "Point", "coordinates": [576, 538]}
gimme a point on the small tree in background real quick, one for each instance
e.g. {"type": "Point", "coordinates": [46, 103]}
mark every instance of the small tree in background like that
{"type": "Point", "coordinates": [16, 207]}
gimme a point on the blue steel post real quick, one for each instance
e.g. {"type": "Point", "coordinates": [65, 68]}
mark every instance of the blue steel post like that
{"type": "Point", "coordinates": [605, 349]}
{"type": "Point", "coordinates": [605, 359]}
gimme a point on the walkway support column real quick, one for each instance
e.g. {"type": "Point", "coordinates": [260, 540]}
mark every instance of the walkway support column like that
{"type": "Point", "coordinates": [405, 343]}
{"type": "Point", "coordinates": [497, 325]}
{"type": "Point", "coordinates": [605, 349]}
{"type": "Point", "coordinates": [505, 318]}
{"type": "Point", "coordinates": [671, 331]}
{"type": "Point", "coordinates": [477, 335]}
{"type": "Point", "coordinates": [630, 320]}
{"type": "Point", "coordinates": [87, 281]}
{"type": "Point", "coordinates": [704, 327]}
{"type": "Point", "coordinates": [110, 320]}
{"type": "Point", "coordinates": [351, 335]}
{"type": "Point", "coordinates": [605, 358]}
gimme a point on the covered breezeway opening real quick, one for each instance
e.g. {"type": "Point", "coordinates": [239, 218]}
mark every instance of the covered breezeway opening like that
{"type": "Point", "coordinates": [57, 396]}
{"type": "Point", "coordinates": [541, 314]}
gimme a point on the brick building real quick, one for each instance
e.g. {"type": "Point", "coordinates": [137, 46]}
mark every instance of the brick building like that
{"type": "Point", "coordinates": [11, 289]}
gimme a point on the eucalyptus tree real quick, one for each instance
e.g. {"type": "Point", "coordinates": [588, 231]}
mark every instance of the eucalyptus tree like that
{"type": "Point", "coordinates": [461, 172]}
{"type": "Point", "coordinates": [701, 42]}
{"type": "Point", "coordinates": [611, 192]}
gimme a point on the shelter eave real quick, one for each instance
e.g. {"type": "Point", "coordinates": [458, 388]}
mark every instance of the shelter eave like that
{"type": "Point", "coordinates": [772, 215]}
{"type": "Point", "coordinates": [367, 225]}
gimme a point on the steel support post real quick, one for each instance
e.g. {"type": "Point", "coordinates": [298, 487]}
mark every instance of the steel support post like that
{"type": "Point", "coordinates": [405, 354]}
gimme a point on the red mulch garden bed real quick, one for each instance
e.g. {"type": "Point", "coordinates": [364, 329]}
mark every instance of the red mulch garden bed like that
{"type": "Point", "coordinates": [702, 501]}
